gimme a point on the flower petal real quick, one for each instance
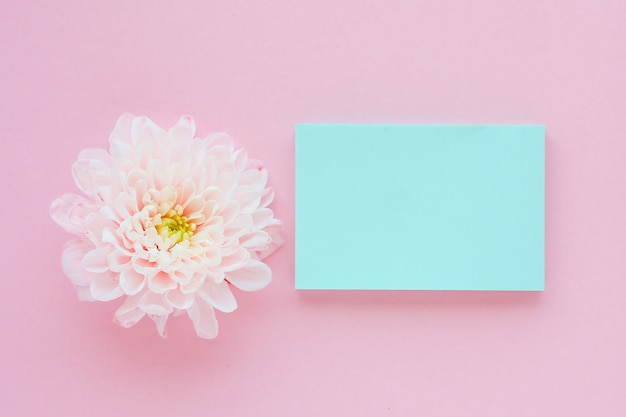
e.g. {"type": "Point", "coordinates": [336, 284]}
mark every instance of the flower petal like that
{"type": "Point", "coordinates": [84, 293]}
{"type": "Point", "coordinates": [105, 289]}
{"type": "Point", "coordinates": [95, 225]}
{"type": "Point", "coordinates": [238, 226]}
{"type": "Point", "coordinates": [143, 130]}
{"type": "Point", "coordinates": [184, 129]}
{"type": "Point", "coordinates": [255, 240]}
{"type": "Point", "coordinates": [262, 217]}
{"type": "Point", "coordinates": [252, 277]}
{"type": "Point", "coordinates": [161, 282]}
{"type": "Point", "coordinates": [240, 159]}
{"type": "Point", "coordinates": [131, 281]}
{"type": "Point", "coordinates": [236, 260]}
{"type": "Point", "coordinates": [160, 322]}
{"type": "Point", "coordinates": [267, 197]}
{"type": "Point", "coordinates": [178, 299]}
{"type": "Point", "coordinates": [249, 198]}
{"type": "Point", "coordinates": [123, 127]}
{"type": "Point", "coordinates": [90, 174]}
{"type": "Point", "coordinates": [96, 260]}
{"type": "Point", "coordinates": [219, 139]}
{"type": "Point", "coordinates": [219, 296]}
{"type": "Point", "coordinates": [203, 318]}
{"type": "Point", "coordinates": [73, 252]}
{"type": "Point", "coordinates": [70, 210]}
{"type": "Point", "coordinates": [129, 313]}
{"type": "Point", "coordinates": [151, 303]}
{"type": "Point", "coordinates": [276, 240]}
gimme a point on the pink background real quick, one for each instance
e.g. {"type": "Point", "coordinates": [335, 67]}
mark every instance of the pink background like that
{"type": "Point", "coordinates": [68, 69]}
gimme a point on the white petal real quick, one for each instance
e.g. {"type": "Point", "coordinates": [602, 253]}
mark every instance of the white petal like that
{"type": "Point", "coordinates": [105, 289]}
{"type": "Point", "coordinates": [123, 127]}
{"type": "Point", "coordinates": [262, 217]}
{"type": "Point", "coordinates": [255, 240]}
{"type": "Point", "coordinates": [95, 224]}
{"type": "Point", "coordinates": [203, 319]}
{"type": "Point", "coordinates": [219, 139]}
{"type": "Point", "coordinates": [194, 205]}
{"type": "Point", "coordinates": [118, 261]}
{"type": "Point", "coordinates": [219, 296]}
{"type": "Point", "coordinates": [178, 299]}
{"type": "Point", "coordinates": [151, 303]}
{"type": "Point", "coordinates": [160, 322]}
{"type": "Point", "coordinates": [266, 197]}
{"type": "Point", "coordinates": [249, 198]}
{"type": "Point", "coordinates": [238, 259]}
{"type": "Point", "coordinates": [84, 293]}
{"type": "Point", "coordinates": [253, 178]}
{"type": "Point", "coordinates": [229, 211]}
{"type": "Point", "coordinates": [144, 130]}
{"type": "Point", "coordinates": [196, 282]}
{"type": "Point", "coordinates": [161, 282]}
{"type": "Point", "coordinates": [125, 205]}
{"type": "Point", "coordinates": [73, 253]}
{"type": "Point", "coordinates": [90, 174]}
{"type": "Point", "coordinates": [96, 260]}
{"type": "Point", "coordinates": [276, 240]}
{"type": "Point", "coordinates": [184, 129]}
{"type": "Point", "coordinates": [238, 226]}
{"type": "Point", "coordinates": [254, 276]}
{"type": "Point", "coordinates": [129, 313]}
{"type": "Point", "coordinates": [240, 159]}
{"type": "Point", "coordinates": [70, 210]}
{"type": "Point", "coordinates": [131, 281]}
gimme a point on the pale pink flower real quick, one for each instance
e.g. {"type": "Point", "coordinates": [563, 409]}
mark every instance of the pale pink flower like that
{"type": "Point", "coordinates": [168, 222]}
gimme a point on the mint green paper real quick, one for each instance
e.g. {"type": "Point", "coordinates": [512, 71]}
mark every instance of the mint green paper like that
{"type": "Point", "coordinates": [419, 207]}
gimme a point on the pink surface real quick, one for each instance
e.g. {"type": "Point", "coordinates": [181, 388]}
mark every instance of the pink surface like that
{"type": "Point", "coordinates": [69, 69]}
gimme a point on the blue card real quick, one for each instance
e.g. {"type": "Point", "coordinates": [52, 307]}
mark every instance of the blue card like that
{"type": "Point", "coordinates": [420, 207]}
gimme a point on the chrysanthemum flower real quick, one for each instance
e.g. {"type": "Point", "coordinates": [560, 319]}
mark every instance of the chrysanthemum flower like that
{"type": "Point", "coordinates": [169, 222]}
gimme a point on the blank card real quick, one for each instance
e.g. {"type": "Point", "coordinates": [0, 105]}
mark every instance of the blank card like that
{"type": "Point", "coordinates": [419, 207]}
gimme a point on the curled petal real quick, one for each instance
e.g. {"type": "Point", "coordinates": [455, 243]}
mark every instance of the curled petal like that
{"type": "Point", "coordinates": [249, 198]}
{"type": "Point", "coordinates": [123, 127]}
{"type": "Point", "coordinates": [96, 260]}
{"type": "Point", "coordinates": [178, 299]}
{"type": "Point", "coordinates": [256, 240]}
{"type": "Point", "coordinates": [240, 159]}
{"type": "Point", "coordinates": [203, 318]}
{"type": "Point", "coordinates": [238, 226]}
{"type": "Point", "coordinates": [143, 130]}
{"type": "Point", "coordinates": [184, 129]}
{"type": "Point", "coordinates": [236, 260]}
{"type": "Point", "coordinates": [91, 173]}
{"type": "Point", "coordinates": [266, 198]}
{"type": "Point", "coordinates": [219, 139]}
{"type": "Point", "coordinates": [161, 283]}
{"type": "Point", "coordinates": [262, 217]}
{"type": "Point", "coordinates": [84, 293]}
{"type": "Point", "coordinates": [151, 303]}
{"type": "Point", "coordinates": [131, 281]}
{"type": "Point", "coordinates": [73, 252]}
{"type": "Point", "coordinates": [276, 240]}
{"type": "Point", "coordinates": [160, 322]}
{"type": "Point", "coordinates": [129, 313]}
{"type": "Point", "coordinates": [252, 277]}
{"type": "Point", "coordinates": [105, 289]}
{"type": "Point", "coordinates": [219, 296]}
{"type": "Point", "coordinates": [70, 211]}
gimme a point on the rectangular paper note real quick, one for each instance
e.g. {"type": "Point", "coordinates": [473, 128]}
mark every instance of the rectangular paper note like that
{"type": "Point", "coordinates": [419, 207]}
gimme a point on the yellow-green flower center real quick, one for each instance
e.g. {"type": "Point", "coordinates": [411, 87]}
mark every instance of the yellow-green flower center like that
{"type": "Point", "coordinates": [175, 226]}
